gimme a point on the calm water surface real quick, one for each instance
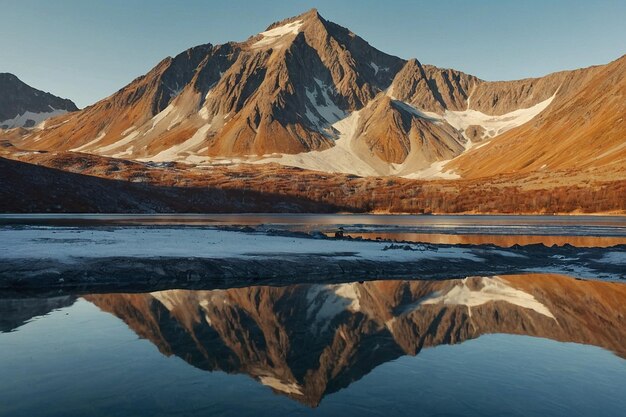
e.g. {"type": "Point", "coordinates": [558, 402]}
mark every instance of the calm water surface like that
{"type": "Point", "coordinates": [582, 231]}
{"type": "Point", "coordinates": [527, 345]}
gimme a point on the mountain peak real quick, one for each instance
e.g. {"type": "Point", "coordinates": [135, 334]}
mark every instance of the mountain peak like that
{"type": "Point", "coordinates": [309, 15]}
{"type": "Point", "coordinates": [8, 76]}
{"type": "Point", "coordinates": [24, 106]}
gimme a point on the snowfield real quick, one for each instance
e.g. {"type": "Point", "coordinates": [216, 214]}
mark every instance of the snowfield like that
{"type": "Point", "coordinates": [494, 125]}
{"type": "Point", "coordinates": [272, 36]}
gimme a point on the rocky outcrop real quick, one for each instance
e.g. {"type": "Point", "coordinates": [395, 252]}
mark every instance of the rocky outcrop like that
{"type": "Point", "coordinates": [432, 89]}
{"type": "Point", "coordinates": [392, 131]}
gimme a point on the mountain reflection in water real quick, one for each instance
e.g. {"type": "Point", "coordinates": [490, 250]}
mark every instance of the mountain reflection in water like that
{"type": "Point", "coordinates": [307, 341]}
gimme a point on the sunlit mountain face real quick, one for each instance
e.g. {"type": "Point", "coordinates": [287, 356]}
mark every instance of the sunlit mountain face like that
{"type": "Point", "coordinates": [307, 341]}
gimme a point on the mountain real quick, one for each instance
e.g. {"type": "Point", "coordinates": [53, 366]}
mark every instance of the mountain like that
{"type": "Point", "coordinates": [308, 341]}
{"type": "Point", "coordinates": [24, 106]}
{"type": "Point", "coordinates": [584, 128]}
{"type": "Point", "coordinates": [309, 93]}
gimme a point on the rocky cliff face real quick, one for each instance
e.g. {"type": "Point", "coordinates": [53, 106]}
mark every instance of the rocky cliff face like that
{"type": "Point", "coordinates": [24, 106]}
{"type": "Point", "coordinates": [307, 341]}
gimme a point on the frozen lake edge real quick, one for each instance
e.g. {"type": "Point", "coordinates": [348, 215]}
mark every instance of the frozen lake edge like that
{"type": "Point", "coordinates": [140, 258]}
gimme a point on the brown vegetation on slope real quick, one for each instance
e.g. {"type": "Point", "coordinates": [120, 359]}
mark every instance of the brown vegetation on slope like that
{"type": "Point", "coordinates": [264, 188]}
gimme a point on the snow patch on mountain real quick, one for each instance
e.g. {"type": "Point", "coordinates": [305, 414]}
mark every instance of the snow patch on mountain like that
{"type": "Point", "coordinates": [21, 120]}
{"type": "Point", "coordinates": [90, 143]}
{"type": "Point", "coordinates": [324, 105]}
{"type": "Point", "coordinates": [494, 125]}
{"type": "Point", "coordinates": [341, 158]}
{"type": "Point", "coordinates": [434, 171]}
{"type": "Point", "coordinates": [272, 36]}
{"type": "Point", "coordinates": [430, 116]}
{"type": "Point", "coordinates": [377, 68]}
{"type": "Point", "coordinates": [124, 141]}
{"type": "Point", "coordinates": [175, 151]}
{"type": "Point", "coordinates": [345, 157]}
{"type": "Point", "coordinates": [161, 116]}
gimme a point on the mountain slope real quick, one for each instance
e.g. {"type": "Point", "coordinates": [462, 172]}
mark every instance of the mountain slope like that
{"type": "Point", "coordinates": [583, 129]}
{"type": "Point", "coordinates": [24, 106]}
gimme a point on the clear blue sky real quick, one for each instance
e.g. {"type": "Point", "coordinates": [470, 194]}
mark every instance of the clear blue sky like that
{"type": "Point", "coordinates": [87, 49]}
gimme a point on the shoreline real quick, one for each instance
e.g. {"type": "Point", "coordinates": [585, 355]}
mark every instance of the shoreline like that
{"type": "Point", "coordinates": [618, 213]}
{"type": "Point", "coordinates": [153, 257]}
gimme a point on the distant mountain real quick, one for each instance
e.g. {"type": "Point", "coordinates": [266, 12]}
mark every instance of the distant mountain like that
{"type": "Point", "coordinates": [308, 341]}
{"type": "Point", "coordinates": [24, 106]}
{"type": "Point", "coordinates": [309, 93]}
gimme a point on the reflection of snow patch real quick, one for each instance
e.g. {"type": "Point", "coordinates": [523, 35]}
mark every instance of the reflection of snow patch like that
{"type": "Point", "coordinates": [493, 289]}
{"type": "Point", "coordinates": [282, 386]}
{"type": "Point", "coordinates": [349, 292]}
{"type": "Point", "coordinates": [323, 306]}
{"type": "Point", "coordinates": [328, 301]}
